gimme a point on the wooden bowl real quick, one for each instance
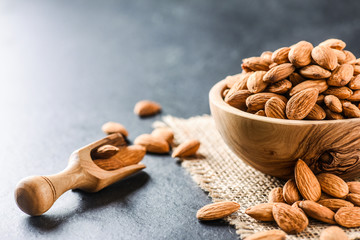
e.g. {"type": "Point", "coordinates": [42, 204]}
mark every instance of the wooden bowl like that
{"type": "Point", "coordinates": [273, 146]}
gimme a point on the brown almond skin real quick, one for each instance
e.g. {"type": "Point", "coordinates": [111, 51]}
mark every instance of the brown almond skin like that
{"type": "Point", "coordinates": [114, 127]}
{"type": "Point", "coordinates": [321, 85]}
{"type": "Point", "coordinates": [186, 149]}
{"type": "Point", "coordinates": [290, 192]}
{"type": "Point", "coordinates": [278, 73]}
{"type": "Point", "coordinates": [105, 151]}
{"type": "Point", "coordinates": [300, 105]}
{"type": "Point", "coordinates": [355, 97]}
{"type": "Point", "coordinates": [255, 82]}
{"type": "Point", "coordinates": [300, 54]}
{"type": "Point", "coordinates": [354, 83]}
{"type": "Point", "coordinates": [339, 92]}
{"type": "Point", "coordinates": [237, 99]}
{"type": "Point", "coordinates": [296, 78]}
{"type": "Point", "coordinates": [325, 57]}
{"type": "Point", "coordinates": [266, 55]}
{"type": "Point", "coordinates": [356, 69]}
{"type": "Point", "coordinates": [354, 198]}
{"type": "Point", "coordinates": [290, 219]}
{"type": "Point", "coordinates": [333, 103]}
{"type": "Point", "coordinates": [317, 211]}
{"type": "Point", "coordinates": [314, 72]}
{"type": "Point", "coordinates": [261, 113]}
{"type": "Point", "coordinates": [238, 81]}
{"type": "Point", "coordinates": [332, 115]}
{"type": "Point", "coordinates": [316, 113]}
{"type": "Point", "coordinates": [306, 182]}
{"type": "Point", "coordinates": [333, 185]}
{"type": "Point", "coordinates": [276, 195]}
{"type": "Point", "coordinates": [341, 75]}
{"type": "Point", "coordinates": [152, 144]}
{"type": "Point", "coordinates": [335, 204]}
{"type": "Point", "coordinates": [165, 133]}
{"type": "Point", "coordinates": [261, 212]}
{"type": "Point", "coordinates": [257, 101]}
{"type": "Point", "coordinates": [274, 234]}
{"type": "Point", "coordinates": [351, 110]}
{"type": "Point", "coordinates": [256, 64]}
{"type": "Point", "coordinates": [281, 55]}
{"type": "Point", "coordinates": [349, 57]}
{"type": "Point", "coordinates": [146, 108]}
{"type": "Point", "coordinates": [275, 108]}
{"type": "Point", "coordinates": [348, 217]}
{"type": "Point", "coordinates": [320, 99]}
{"type": "Point", "coordinates": [333, 233]}
{"type": "Point", "coordinates": [217, 210]}
{"type": "Point", "coordinates": [340, 55]}
{"type": "Point", "coordinates": [334, 43]}
{"type": "Point", "coordinates": [354, 187]}
{"type": "Point", "coordinates": [280, 87]}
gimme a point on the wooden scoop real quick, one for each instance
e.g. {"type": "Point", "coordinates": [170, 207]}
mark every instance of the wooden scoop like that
{"type": "Point", "coordinates": [36, 194]}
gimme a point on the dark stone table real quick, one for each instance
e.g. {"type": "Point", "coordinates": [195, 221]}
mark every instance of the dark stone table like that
{"type": "Point", "coordinates": [66, 67]}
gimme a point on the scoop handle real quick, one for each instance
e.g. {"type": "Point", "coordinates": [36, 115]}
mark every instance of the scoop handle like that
{"type": "Point", "coordinates": [36, 194]}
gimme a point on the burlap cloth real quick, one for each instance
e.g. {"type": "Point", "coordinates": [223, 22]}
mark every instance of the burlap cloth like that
{"type": "Point", "coordinates": [224, 176]}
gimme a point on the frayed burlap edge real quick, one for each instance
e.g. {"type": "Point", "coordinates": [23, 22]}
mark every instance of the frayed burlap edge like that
{"type": "Point", "coordinates": [218, 171]}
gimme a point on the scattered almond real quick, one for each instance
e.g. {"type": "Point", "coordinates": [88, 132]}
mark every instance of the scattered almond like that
{"type": "Point", "coordinates": [152, 144]}
{"type": "Point", "coordinates": [354, 187]}
{"type": "Point", "coordinates": [276, 195]}
{"type": "Point", "coordinates": [114, 127]}
{"type": "Point", "coordinates": [217, 210]}
{"type": "Point", "coordinates": [290, 192]}
{"type": "Point", "coordinates": [317, 211]}
{"type": "Point", "coordinates": [146, 108]}
{"type": "Point", "coordinates": [306, 182]}
{"type": "Point", "coordinates": [261, 212]}
{"type": "Point", "coordinates": [186, 149]}
{"type": "Point", "coordinates": [289, 219]}
{"type": "Point", "coordinates": [268, 235]}
{"type": "Point", "coordinates": [165, 133]}
{"type": "Point", "coordinates": [335, 204]}
{"type": "Point", "coordinates": [333, 233]}
{"type": "Point", "coordinates": [348, 217]}
{"type": "Point", "coordinates": [333, 185]}
{"type": "Point", "coordinates": [354, 198]}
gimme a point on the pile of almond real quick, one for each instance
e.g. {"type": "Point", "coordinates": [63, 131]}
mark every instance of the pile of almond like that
{"type": "Point", "coordinates": [324, 197]}
{"type": "Point", "coordinates": [299, 82]}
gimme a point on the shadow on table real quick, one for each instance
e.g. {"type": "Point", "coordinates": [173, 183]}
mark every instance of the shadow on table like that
{"type": "Point", "coordinates": [117, 192]}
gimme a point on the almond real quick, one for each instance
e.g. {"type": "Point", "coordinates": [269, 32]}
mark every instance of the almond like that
{"type": "Point", "coordinates": [237, 99]}
{"type": "Point", "coordinates": [325, 57]}
{"type": "Point", "coordinates": [354, 198]}
{"type": "Point", "coordinates": [217, 210]}
{"type": "Point", "coordinates": [124, 157]}
{"type": "Point", "coordinates": [238, 81]}
{"type": "Point", "coordinates": [146, 108]}
{"type": "Point", "coordinates": [281, 55]}
{"type": "Point", "coordinates": [300, 54]}
{"type": "Point", "coordinates": [333, 43]}
{"type": "Point", "coordinates": [268, 235]}
{"type": "Point", "coordinates": [335, 204]}
{"type": "Point", "coordinates": [289, 219]}
{"type": "Point", "coordinates": [279, 87]}
{"type": "Point", "coordinates": [354, 83]}
{"type": "Point", "coordinates": [321, 85]}
{"type": "Point", "coordinates": [257, 101]}
{"type": "Point", "coordinates": [152, 144]}
{"type": "Point", "coordinates": [333, 233]}
{"type": "Point", "coordinates": [296, 78]}
{"type": "Point", "coordinates": [255, 82]}
{"type": "Point", "coordinates": [351, 110]}
{"type": "Point", "coordinates": [341, 75]}
{"type": "Point", "coordinates": [314, 72]}
{"type": "Point", "coordinates": [348, 217]}
{"type": "Point", "coordinates": [356, 69]}
{"type": "Point", "coordinates": [114, 127]}
{"type": "Point", "coordinates": [165, 133]}
{"type": "Point", "coordinates": [333, 103]}
{"type": "Point", "coordinates": [354, 187]}
{"type": "Point", "coordinates": [273, 65]}
{"type": "Point", "coordinates": [290, 192]}
{"type": "Point", "coordinates": [316, 113]}
{"type": "Point", "coordinates": [317, 211]}
{"type": "Point", "coordinates": [340, 55]}
{"type": "Point", "coordinates": [186, 149]}
{"type": "Point", "coordinates": [307, 183]}
{"type": "Point", "coordinates": [266, 55]}
{"type": "Point", "coordinates": [275, 108]}
{"type": "Point", "coordinates": [333, 185]}
{"type": "Point", "coordinates": [256, 63]}
{"type": "Point", "coordinates": [278, 73]}
{"type": "Point", "coordinates": [105, 151]}
{"type": "Point", "coordinates": [261, 212]}
{"type": "Point", "coordinates": [261, 113]}
{"type": "Point", "coordinates": [355, 97]}
{"type": "Point", "coordinates": [300, 105]}
{"type": "Point", "coordinates": [339, 92]}
{"type": "Point", "coordinates": [320, 99]}
{"type": "Point", "coordinates": [349, 57]}
{"type": "Point", "coordinates": [332, 115]}
{"type": "Point", "coordinates": [276, 195]}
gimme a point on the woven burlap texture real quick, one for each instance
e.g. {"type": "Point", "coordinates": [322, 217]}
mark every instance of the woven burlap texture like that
{"type": "Point", "coordinates": [218, 171]}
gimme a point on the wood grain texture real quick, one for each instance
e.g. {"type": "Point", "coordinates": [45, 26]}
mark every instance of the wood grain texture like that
{"type": "Point", "coordinates": [274, 145]}
{"type": "Point", "coordinates": [36, 194]}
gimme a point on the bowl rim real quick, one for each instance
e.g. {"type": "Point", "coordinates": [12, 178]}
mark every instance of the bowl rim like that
{"type": "Point", "coordinates": [215, 97]}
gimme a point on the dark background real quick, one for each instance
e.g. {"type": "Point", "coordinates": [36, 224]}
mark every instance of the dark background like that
{"type": "Point", "coordinates": [66, 67]}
